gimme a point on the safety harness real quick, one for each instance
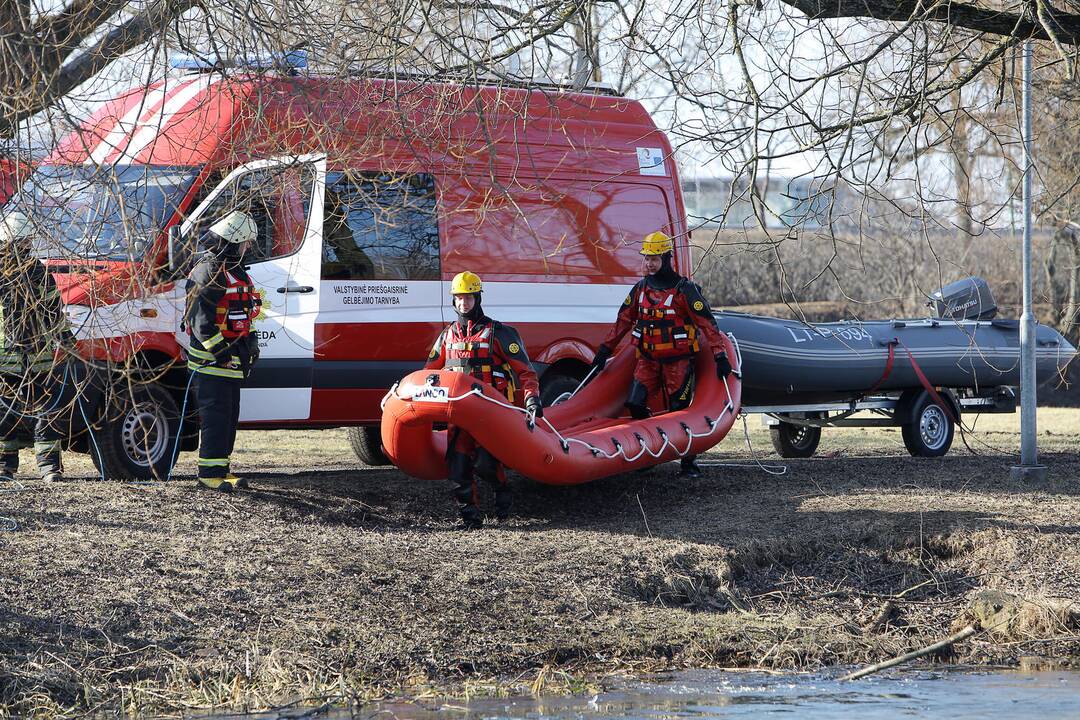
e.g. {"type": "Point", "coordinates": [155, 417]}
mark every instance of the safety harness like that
{"type": "Point", "coordinates": [236, 310]}
{"type": "Point", "coordinates": [659, 332]}
{"type": "Point", "coordinates": [469, 351]}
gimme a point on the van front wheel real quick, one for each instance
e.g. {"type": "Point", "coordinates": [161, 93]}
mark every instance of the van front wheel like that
{"type": "Point", "coordinates": [366, 442]}
{"type": "Point", "coordinates": [138, 441]}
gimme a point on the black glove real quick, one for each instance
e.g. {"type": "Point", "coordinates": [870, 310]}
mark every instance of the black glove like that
{"type": "Point", "coordinates": [723, 365]}
{"type": "Point", "coordinates": [534, 408]}
{"type": "Point", "coordinates": [223, 354]}
{"type": "Point", "coordinates": [253, 350]}
{"type": "Point", "coordinates": [600, 359]}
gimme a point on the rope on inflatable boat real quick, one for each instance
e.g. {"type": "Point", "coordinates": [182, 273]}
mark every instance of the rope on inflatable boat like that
{"type": "Point", "coordinates": [619, 451]}
{"type": "Point", "coordinates": [770, 469]}
{"type": "Point", "coordinates": [599, 452]}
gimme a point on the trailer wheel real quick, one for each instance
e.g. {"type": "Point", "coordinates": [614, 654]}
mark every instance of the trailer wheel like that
{"type": "Point", "coordinates": [931, 432]}
{"type": "Point", "coordinates": [138, 440]}
{"type": "Point", "coordinates": [366, 442]}
{"type": "Point", "coordinates": [795, 441]}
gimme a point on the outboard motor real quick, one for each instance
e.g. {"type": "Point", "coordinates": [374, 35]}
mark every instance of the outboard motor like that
{"type": "Point", "coordinates": [967, 299]}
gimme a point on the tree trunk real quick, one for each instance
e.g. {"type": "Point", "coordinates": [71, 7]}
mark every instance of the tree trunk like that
{"type": "Point", "coordinates": [1068, 320]}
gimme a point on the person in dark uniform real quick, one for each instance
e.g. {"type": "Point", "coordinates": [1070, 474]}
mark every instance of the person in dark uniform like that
{"type": "Point", "coordinates": [494, 353]}
{"type": "Point", "coordinates": [34, 339]}
{"type": "Point", "coordinates": [222, 304]}
{"type": "Point", "coordinates": [669, 319]}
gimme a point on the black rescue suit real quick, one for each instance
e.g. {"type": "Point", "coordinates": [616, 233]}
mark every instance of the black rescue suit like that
{"type": "Point", "coordinates": [222, 304]}
{"type": "Point", "coordinates": [493, 353]}
{"type": "Point", "coordinates": [33, 367]}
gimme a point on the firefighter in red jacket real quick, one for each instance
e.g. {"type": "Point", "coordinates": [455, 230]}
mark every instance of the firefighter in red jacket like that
{"type": "Point", "coordinates": [670, 320]}
{"type": "Point", "coordinates": [494, 353]}
{"type": "Point", "coordinates": [222, 303]}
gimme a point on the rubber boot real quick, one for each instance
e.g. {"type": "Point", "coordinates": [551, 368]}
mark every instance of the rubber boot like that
{"type": "Point", "coordinates": [637, 401]}
{"type": "Point", "coordinates": [464, 489]}
{"type": "Point", "coordinates": [504, 501]}
{"type": "Point", "coordinates": [688, 467]}
{"type": "Point", "coordinates": [50, 466]}
{"type": "Point", "coordinates": [240, 483]}
{"type": "Point", "coordinates": [9, 459]}
{"type": "Point", "coordinates": [216, 483]}
{"type": "Point", "coordinates": [489, 470]}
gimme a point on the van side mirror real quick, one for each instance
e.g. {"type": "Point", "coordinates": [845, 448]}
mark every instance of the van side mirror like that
{"type": "Point", "coordinates": [173, 239]}
{"type": "Point", "coordinates": [180, 252]}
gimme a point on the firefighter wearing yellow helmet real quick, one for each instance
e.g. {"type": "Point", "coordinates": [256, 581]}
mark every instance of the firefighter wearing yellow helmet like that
{"type": "Point", "coordinates": [670, 321]}
{"type": "Point", "coordinates": [222, 306]}
{"type": "Point", "coordinates": [495, 354]}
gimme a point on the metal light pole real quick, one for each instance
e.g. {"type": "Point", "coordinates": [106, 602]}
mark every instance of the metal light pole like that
{"type": "Point", "coordinates": [1029, 467]}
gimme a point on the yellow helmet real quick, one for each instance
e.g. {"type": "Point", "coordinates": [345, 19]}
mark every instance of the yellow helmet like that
{"type": "Point", "coordinates": [465, 282]}
{"type": "Point", "coordinates": [656, 243]}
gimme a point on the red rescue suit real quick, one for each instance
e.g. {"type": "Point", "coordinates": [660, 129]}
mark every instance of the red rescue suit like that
{"type": "Point", "coordinates": [668, 327]}
{"type": "Point", "coordinates": [493, 353]}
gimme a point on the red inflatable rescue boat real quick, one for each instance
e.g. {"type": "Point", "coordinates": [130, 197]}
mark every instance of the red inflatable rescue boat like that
{"type": "Point", "coordinates": [585, 438]}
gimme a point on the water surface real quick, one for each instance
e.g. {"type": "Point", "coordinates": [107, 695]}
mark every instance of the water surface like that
{"type": "Point", "coordinates": [957, 695]}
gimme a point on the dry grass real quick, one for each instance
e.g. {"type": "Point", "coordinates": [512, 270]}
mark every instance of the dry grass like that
{"type": "Point", "coordinates": [334, 583]}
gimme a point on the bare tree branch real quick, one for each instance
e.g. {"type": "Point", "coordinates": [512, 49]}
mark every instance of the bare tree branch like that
{"type": "Point", "coordinates": [1065, 26]}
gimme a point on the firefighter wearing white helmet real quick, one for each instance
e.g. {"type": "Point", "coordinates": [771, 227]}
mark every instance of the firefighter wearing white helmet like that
{"type": "Point", "coordinates": [34, 339]}
{"type": "Point", "coordinates": [670, 321]}
{"type": "Point", "coordinates": [492, 353]}
{"type": "Point", "coordinates": [222, 304]}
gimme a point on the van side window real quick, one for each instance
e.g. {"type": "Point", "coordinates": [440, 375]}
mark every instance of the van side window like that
{"type": "Point", "coordinates": [278, 198]}
{"type": "Point", "coordinates": [380, 226]}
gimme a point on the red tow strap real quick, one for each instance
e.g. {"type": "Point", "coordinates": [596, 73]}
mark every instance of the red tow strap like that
{"type": "Point", "coordinates": [933, 393]}
{"type": "Point", "coordinates": [928, 387]}
{"type": "Point", "coordinates": [888, 366]}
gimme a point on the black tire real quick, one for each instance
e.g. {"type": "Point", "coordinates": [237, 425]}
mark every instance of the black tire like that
{"type": "Point", "coordinates": [138, 438]}
{"type": "Point", "coordinates": [552, 385]}
{"type": "Point", "coordinates": [366, 442]}
{"type": "Point", "coordinates": [795, 441]}
{"type": "Point", "coordinates": [931, 432]}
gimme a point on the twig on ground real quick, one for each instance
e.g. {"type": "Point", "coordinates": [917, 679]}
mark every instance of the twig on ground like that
{"type": "Point", "coordinates": [641, 507]}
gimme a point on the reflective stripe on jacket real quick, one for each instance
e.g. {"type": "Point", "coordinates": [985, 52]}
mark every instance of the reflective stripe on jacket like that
{"type": "Point", "coordinates": [222, 304]}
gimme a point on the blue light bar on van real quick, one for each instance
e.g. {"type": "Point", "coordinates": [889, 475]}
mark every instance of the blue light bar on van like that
{"type": "Point", "coordinates": [291, 60]}
{"type": "Point", "coordinates": [190, 62]}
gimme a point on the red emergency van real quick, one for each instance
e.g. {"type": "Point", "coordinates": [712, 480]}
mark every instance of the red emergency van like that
{"type": "Point", "coordinates": [12, 172]}
{"type": "Point", "coordinates": [370, 194]}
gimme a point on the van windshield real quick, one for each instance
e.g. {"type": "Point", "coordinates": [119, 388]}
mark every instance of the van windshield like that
{"type": "Point", "coordinates": [100, 213]}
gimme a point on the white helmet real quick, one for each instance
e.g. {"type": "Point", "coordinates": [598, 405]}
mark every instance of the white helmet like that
{"type": "Point", "coordinates": [14, 226]}
{"type": "Point", "coordinates": [236, 227]}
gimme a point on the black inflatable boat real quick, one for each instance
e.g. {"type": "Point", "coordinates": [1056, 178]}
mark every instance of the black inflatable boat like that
{"type": "Point", "coordinates": [806, 376]}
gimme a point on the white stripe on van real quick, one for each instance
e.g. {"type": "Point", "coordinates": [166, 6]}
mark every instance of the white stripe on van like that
{"type": "Point", "coordinates": [148, 130]}
{"type": "Point", "coordinates": [127, 124]}
{"type": "Point", "coordinates": [359, 301]}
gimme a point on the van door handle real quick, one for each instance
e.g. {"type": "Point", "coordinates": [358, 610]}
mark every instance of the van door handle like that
{"type": "Point", "coordinates": [296, 289]}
